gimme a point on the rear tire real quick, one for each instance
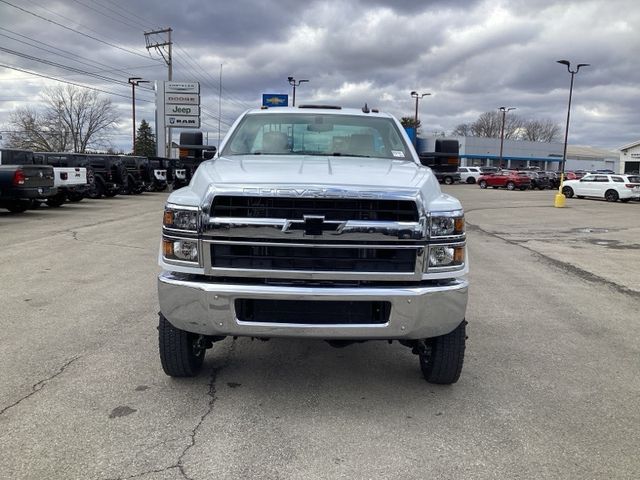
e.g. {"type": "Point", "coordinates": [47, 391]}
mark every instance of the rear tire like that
{"type": "Point", "coordinates": [611, 196]}
{"type": "Point", "coordinates": [511, 186]}
{"type": "Point", "coordinates": [567, 192]}
{"type": "Point", "coordinates": [447, 180]}
{"type": "Point", "coordinates": [180, 354]}
{"type": "Point", "coordinates": [57, 200]}
{"type": "Point", "coordinates": [482, 184]}
{"type": "Point", "coordinates": [442, 358]}
{"type": "Point", "coordinates": [471, 180]}
{"type": "Point", "coordinates": [19, 206]}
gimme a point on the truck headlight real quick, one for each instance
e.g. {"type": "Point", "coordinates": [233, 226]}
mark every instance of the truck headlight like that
{"type": "Point", "coordinates": [446, 256]}
{"type": "Point", "coordinates": [446, 225]}
{"type": "Point", "coordinates": [180, 219]}
{"type": "Point", "coordinates": [180, 249]}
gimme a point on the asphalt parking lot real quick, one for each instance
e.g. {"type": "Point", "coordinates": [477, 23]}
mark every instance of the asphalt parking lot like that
{"type": "Point", "coordinates": [550, 386]}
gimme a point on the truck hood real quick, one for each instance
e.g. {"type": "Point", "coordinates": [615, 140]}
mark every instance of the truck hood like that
{"type": "Point", "coordinates": [313, 170]}
{"type": "Point", "coordinates": [403, 177]}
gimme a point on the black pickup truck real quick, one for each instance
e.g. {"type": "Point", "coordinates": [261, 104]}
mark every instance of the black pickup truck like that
{"type": "Point", "coordinates": [20, 185]}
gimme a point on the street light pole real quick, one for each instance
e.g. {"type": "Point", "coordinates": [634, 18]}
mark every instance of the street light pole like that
{"type": "Point", "coordinates": [417, 96]}
{"type": "Point", "coordinates": [559, 201]}
{"type": "Point", "coordinates": [504, 111]}
{"type": "Point", "coordinates": [134, 81]}
{"type": "Point", "coordinates": [292, 82]}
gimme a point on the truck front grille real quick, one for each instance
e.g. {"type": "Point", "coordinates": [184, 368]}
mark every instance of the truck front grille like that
{"type": "Point", "coordinates": [313, 258]}
{"type": "Point", "coordinates": [312, 312]}
{"type": "Point", "coordinates": [331, 209]}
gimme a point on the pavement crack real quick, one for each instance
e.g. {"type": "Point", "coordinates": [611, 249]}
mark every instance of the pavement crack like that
{"type": "Point", "coordinates": [36, 387]}
{"type": "Point", "coordinates": [565, 267]}
{"type": "Point", "coordinates": [211, 392]}
{"type": "Point", "coordinates": [212, 400]}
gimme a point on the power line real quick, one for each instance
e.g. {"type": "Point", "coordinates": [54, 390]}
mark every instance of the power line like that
{"type": "Point", "coordinates": [70, 83]}
{"type": "Point", "coordinates": [69, 55]}
{"type": "Point", "coordinates": [74, 30]}
{"type": "Point", "coordinates": [125, 21]}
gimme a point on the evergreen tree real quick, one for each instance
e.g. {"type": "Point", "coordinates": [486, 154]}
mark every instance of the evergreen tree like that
{"type": "Point", "coordinates": [145, 140]}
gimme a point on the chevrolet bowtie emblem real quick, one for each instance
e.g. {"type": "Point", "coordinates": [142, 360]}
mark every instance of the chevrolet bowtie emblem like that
{"type": "Point", "coordinates": [312, 225]}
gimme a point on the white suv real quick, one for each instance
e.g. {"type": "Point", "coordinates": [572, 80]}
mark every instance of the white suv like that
{"type": "Point", "coordinates": [469, 174]}
{"type": "Point", "coordinates": [610, 187]}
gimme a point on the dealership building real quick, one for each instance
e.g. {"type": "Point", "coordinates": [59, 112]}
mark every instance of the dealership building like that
{"type": "Point", "coordinates": [482, 151]}
{"type": "Point", "coordinates": [630, 158]}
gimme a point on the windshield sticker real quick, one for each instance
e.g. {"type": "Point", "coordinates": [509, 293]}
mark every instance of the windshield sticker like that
{"type": "Point", "coordinates": [398, 153]}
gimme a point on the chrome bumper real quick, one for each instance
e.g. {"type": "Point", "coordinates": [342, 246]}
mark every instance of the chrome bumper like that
{"type": "Point", "coordinates": [196, 305]}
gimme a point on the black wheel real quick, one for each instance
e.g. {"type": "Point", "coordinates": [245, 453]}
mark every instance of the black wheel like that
{"type": "Point", "coordinates": [511, 186]}
{"type": "Point", "coordinates": [18, 206]}
{"type": "Point", "coordinates": [471, 180]}
{"type": "Point", "coordinates": [611, 196]}
{"type": "Point", "coordinates": [57, 200]}
{"type": "Point", "coordinates": [447, 180]}
{"type": "Point", "coordinates": [97, 189]}
{"type": "Point", "coordinates": [75, 197]}
{"type": "Point", "coordinates": [482, 184]}
{"type": "Point", "coordinates": [181, 354]}
{"type": "Point", "coordinates": [442, 357]}
{"type": "Point", "coordinates": [567, 192]}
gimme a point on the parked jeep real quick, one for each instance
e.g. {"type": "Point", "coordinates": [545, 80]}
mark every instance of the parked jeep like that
{"type": "Point", "coordinates": [110, 175]}
{"type": "Point", "coordinates": [157, 174]}
{"type": "Point", "coordinates": [73, 175]}
{"type": "Point", "coordinates": [136, 173]}
{"type": "Point", "coordinates": [314, 222]}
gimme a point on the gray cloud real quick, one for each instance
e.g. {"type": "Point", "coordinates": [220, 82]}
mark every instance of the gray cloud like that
{"type": "Point", "coordinates": [473, 56]}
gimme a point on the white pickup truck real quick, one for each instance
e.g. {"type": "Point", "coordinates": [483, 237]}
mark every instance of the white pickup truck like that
{"type": "Point", "coordinates": [314, 222]}
{"type": "Point", "coordinates": [72, 181]}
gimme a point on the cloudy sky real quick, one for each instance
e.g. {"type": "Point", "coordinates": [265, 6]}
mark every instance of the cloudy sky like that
{"type": "Point", "coordinates": [472, 56]}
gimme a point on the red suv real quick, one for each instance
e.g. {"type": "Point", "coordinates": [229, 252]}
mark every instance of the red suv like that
{"type": "Point", "coordinates": [507, 179]}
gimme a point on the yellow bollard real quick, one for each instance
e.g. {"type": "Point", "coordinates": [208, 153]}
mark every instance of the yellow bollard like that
{"type": "Point", "coordinates": [560, 198]}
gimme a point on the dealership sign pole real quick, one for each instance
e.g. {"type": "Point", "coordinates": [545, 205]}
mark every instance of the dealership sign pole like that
{"type": "Point", "coordinates": [177, 106]}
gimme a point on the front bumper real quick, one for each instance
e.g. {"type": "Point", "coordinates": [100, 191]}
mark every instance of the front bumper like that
{"type": "Point", "coordinates": [195, 304]}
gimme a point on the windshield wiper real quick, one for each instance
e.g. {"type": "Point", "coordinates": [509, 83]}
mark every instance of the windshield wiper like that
{"type": "Point", "coordinates": [339, 154]}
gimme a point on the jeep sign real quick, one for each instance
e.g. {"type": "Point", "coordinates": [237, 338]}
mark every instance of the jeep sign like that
{"type": "Point", "coordinates": [182, 110]}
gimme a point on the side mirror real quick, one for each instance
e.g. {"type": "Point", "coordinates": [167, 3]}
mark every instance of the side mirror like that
{"type": "Point", "coordinates": [209, 154]}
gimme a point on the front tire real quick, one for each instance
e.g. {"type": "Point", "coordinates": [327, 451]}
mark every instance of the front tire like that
{"type": "Point", "coordinates": [180, 353]}
{"type": "Point", "coordinates": [442, 358]}
{"type": "Point", "coordinates": [567, 192]}
{"type": "Point", "coordinates": [482, 184]}
{"type": "Point", "coordinates": [447, 180]}
{"type": "Point", "coordinates": [511, 186]}
{"type": "Point", "coordinates": [471, 180]}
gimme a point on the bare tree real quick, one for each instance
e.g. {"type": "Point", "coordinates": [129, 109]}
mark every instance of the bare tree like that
{"type": "Point", "coordinates": [72, 119]}
{"type": "Point", "coordinates": [33, 131]}
{"type": "Point", "coordinates": [462, 130]}
{"type": "Point", "coordinates": [540, 130]}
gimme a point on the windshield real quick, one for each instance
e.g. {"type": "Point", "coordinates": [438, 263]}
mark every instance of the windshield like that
{"type": "Point", "coordinates": [317, 134]}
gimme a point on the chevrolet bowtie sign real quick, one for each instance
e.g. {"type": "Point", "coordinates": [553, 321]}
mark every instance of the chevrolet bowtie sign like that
{"type": "Point", "coordinates": [177, 106]}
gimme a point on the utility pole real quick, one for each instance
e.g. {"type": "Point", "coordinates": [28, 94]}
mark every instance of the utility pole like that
{"type": "Point", "coordinates": [417, 96]}
{"type": "Point", "coordinates": [292, 82]}
{"type": "Point", "coordinates": [504, 111]}
{"type": "Point", "coordinates": [219, 107]}
{"type": "Point", "coordinates": [152, 41]}
{"type": "Point", "coordinates": [134, 81]}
